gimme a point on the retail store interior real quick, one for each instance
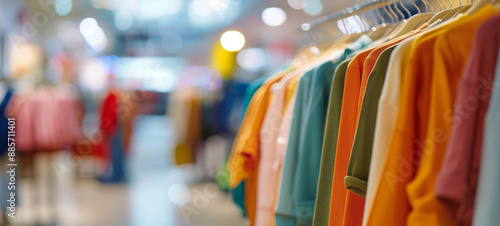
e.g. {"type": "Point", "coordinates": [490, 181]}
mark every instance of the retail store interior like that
{"type": "Point", "coordinates": [125, 112]}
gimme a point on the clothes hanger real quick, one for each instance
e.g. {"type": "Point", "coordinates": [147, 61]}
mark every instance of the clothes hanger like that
{"type": "Point", "coordinates": [412, 23]}
{"type": "Point", "coordinates": [406, 10]}
{"type": "Point", "coordinates": [461, 9]}
{"type": "Point", "coordinates": [352, 35]}
{"type": "Point", "coordinates": [359, 20]}
{"type": "Point", "coordinates": [391, 14]}
{"type": "Point", "coordinates": [480, 4]}
{"type": "Point", "coordinates": [496, 5]}
{"type": "Point", "coordinates": [426, 16]}
{"type": "Point", "coordinates": [371, 31]}
{"type": "Point", "coordinates": [439, 15]}
{"type": "Point", "coordinates": [395, 4]}
{"type": "Point", "coordinates": [454, 11]}
{"type": "Point", "coordinates": [440, 5]}
{"type": "Point", "coordinates": [377, 31]}
{"type": "Point", "coordinates": [389, 6]}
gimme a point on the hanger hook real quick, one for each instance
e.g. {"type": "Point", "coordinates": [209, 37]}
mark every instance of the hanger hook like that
{"type": "Point", "coordinates": [406, 9]}
{"type": "Point", "coordinates": [364, 21]}
{"type": "Point", "coordinates": [428, 4]}
{"type": "Point", "coordinates": [387, 12]}
{"type": "Point", "coordinates": [382, 19]}
{"type": "Point", "coordinates": [355, 17]}
{"type": "Point", "coordinates": [370, 15]}
{"type": "Point", "coordinates": [392, 11]}
{"type": "Point", "coordinates": [440, 5]}
{"type": "Point", "coordinates": [415, 5]}
{"type": "Point", "coordinates": [395, 4]}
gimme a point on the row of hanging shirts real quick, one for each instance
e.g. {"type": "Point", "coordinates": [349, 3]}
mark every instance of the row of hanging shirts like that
{"type": "Point", "coordinates": [373, 128]}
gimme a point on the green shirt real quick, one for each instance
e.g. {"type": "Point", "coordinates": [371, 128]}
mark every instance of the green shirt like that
{"type": "Point", "coordinates": [359, 162]}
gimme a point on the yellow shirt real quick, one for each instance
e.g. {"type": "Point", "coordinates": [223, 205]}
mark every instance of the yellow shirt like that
{"type": "Point", "coordinates": [451, 53]}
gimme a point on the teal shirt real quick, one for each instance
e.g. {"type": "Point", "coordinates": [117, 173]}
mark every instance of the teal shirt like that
{"type": "Point", "coordinates": [299, 182]}
{"type": "Point", "coordinates": [487, 206]}
{"type": "Point", "coordinates": [285, 210]}
{"type": "Point", "coordinates": [298, 186]}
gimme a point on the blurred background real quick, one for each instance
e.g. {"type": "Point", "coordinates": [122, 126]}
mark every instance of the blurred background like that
{"type": "Point", "coordinates": [125, 109]}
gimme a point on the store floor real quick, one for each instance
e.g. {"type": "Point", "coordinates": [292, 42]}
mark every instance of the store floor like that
{"type": "Point", "coordinates": [157, 193]}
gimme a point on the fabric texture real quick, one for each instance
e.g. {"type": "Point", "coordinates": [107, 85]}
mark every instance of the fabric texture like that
{"type": "Point", "coordinates": [359, 161]}
{"type": "Point", "coordinates": [456, 183]}
{"type": "Point", "coordinates": [244, 159]}
{"type": "Point", "coordinates": [488, 200]}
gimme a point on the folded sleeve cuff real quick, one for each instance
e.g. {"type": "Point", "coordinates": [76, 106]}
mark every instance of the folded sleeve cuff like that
{"type": "Point", "coordinates": [355, 185]}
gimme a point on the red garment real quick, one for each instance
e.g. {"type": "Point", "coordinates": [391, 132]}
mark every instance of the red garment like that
{"type": "Point", "coordinates": [107, 126]}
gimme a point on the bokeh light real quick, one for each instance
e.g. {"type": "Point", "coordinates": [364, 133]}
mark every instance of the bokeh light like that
{"type": "Point", "coordinates": [273, 16]}
{"type": "Point", "coordinates": [252, 59]}
{"type": "Point", "coordinates": [94, 35]}
{"type": "Point", "coordinates": [154, 9]}
{"type": "Point", "coordinates": [297, 4]}
{"type": "Point", "coordinates": [179, 194]}
{"type": "Point", "coordinates": [232, 40]}
{"type": "Point", "coordinates": [88, 26]}
{"type": "Point", "coordinates": [63, 7]}
{"type": "Point", "coordinates": [123, 20]}
{"type": "Point", "coordinates": [313, 7]}
{"type": "Point", "coordinates": [94, 75]}
{"type": "Point", "coordinates": [201, 7]}
{"type": "Point", "coordinates": [219, 5]}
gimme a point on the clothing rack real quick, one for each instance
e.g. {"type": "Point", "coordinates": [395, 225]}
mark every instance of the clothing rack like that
{"type": "Point", "coordinates": [342, 14]}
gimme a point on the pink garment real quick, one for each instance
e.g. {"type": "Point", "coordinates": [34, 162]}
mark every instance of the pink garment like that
{"type": "Point", "coordinates": [47, 120]}
{"type": "Point", "coordinates": [268, 174]}
{"type": "Point", "coordinates": [282, 141]}
{"type": "Point", "coordinates": [24, 125]}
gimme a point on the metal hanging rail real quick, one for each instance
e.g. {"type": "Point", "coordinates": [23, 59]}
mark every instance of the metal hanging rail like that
{"type": "Point", "coordinates": [340, 14]}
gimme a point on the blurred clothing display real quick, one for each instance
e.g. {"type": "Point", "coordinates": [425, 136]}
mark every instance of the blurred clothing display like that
{"type": "Point", "coordinates": [185, 110]}
{"type": "Point", "coordinates": [47, 119]}
{"type": "Point", "coordinates": [255, 113]}
{"type": "Point", "coordinates": [380, 128]}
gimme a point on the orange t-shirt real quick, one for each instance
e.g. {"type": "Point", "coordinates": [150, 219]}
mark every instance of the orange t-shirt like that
{"type": "Point", "coordinates": [355, 77]}
{"type": "Point", "coordinates": [354, 204]}
{"type": "Point", "coordinates": [373, 57]}
{"type": "Point", "coordinates": [347, 128]}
